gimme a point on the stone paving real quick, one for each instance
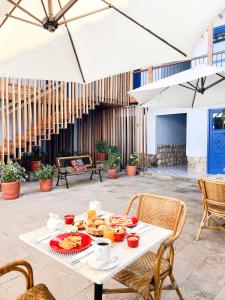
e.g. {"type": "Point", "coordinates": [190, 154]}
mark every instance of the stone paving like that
{"type": "Point", "coordinates": [199, 266]}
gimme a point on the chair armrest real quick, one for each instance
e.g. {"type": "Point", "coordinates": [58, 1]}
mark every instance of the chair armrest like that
{"type": "Point", "coordinates": [21, 266]}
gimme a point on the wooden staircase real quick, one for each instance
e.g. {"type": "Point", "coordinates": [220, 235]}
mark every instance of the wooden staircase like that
{"type": "Point", "coordinates": [32, 110]}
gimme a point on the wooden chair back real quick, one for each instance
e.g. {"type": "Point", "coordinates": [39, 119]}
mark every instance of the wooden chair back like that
{"type": "Point", "coordinates": [63, 162]}
{"type": "Point", "coordinates": [161, 211]}
{"type": "Point", "coordinates": [22, 267]}
{"type": "Point", "coordinates": [213, 192]}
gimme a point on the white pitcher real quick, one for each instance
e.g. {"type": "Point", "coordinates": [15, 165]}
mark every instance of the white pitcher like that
{"type": "Point", "coordinates": [54, 222]}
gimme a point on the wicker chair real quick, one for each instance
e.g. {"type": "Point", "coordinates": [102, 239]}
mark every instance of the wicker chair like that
{"type": "Point", "coordinates": [213, 195]}
{"type": "Point", "coordinates": [148, 273]}
{"type": "Point", "coordinates": [37, 292]}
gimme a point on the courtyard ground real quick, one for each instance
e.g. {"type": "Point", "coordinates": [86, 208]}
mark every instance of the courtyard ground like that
{"type": "Point", "coordinates": [199, 266]}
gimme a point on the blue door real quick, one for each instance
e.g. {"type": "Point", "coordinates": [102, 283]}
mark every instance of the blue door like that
{"type": "Point", "coordinates": [216, 145]}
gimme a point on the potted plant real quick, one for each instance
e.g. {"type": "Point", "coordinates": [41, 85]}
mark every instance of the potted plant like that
{"type": "Point", "coordinates": [132, 164]}
{"type": "Point", "coordinates": [45, 175]}
{"type": "Point", "coordinates": [101, 148]}
{"type": "Point", "coordinates": [36, 156]}
{"type": "Point", "coordinates": [113, 163]}
{"type": "Point", "coordinates": [12, 174]}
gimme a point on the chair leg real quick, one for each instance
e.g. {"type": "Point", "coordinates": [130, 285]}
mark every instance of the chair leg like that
{"type": "Point", "coordinates": [202, 223]}
{"type": "Point", "coordinates": [91, 175]}
{"type": "Point", "coordinates": [156, 290]}
{"type": "Point", "coordinates": [174, 284]}
{"type": "Point", "coordinates": [100, 175]}
{"type": "Point", "coordinates": [57, 184]}
{"type": "Point", "coordinates": [67, 186]}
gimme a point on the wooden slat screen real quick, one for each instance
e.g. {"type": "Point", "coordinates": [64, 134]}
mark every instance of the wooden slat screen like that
{"type": "Point", "coordinates": [124, 127]}
{"type": "Point", "coordinates": [33, 110]}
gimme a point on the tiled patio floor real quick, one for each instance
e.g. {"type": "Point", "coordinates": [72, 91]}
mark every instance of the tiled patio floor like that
{"type": "Point", "coordinates": [199, 266]}
{"type": "Point", "coordinates": [177, 171]}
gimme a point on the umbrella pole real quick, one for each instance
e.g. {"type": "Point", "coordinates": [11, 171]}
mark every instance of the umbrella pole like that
{"type": "Point", "coordinates": [196, 89]}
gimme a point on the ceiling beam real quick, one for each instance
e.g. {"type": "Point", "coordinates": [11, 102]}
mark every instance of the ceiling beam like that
{"type": "Point", "coordinates": [73, 47]}
{"type": "Point", "coordinates": [145, 28]}
{"type": "Point", "coordinates": [24, 10]}
{"type": "Point", "coordinates": [64, 9]}
{"type": "Point", "coordinates": [84, 15]}
{"type": "Point", "coordinates": [24, 20]}
{"type": "Point", "coordinates": [9, 14]}
{"type": "Point", "coordinates": [44, 8]}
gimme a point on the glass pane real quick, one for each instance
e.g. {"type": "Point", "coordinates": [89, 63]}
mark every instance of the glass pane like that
{"type": "Point", "coordinates": [219, 120]}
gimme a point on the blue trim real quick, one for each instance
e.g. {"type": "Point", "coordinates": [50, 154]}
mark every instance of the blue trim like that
{"type": "Point", "coordinates": [137, 79]}
{"type": "Point", "coordinates": [219, 34]}
{"type": "Point", "coordinates": [219, 29]}
{"type": "Point", "coordinates": [209, 127]}
{"type": "Point", "coordinates": [212, 131]}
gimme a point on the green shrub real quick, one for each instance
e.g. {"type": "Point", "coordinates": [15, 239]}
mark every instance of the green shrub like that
{"type": "Point", "coordinates": [114, 160]}
{"type": "Point", "coordinates": [45, 172]}
{"type": "Point", "coordinates": [133, 159]}
{"type": "Point", "coordinates": [101, 146]}
{"type": "Point", "coordinates": [12, 172]}
{"type": "Point", "coordinates": [112, 149]}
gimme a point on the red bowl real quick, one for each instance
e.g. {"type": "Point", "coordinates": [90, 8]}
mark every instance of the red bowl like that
{"type": "Point", "coordinates": [69, 219]}
{"type": "Point", "coordinates": [119, 237]}
{"type": "Point", "coordinates": [133, 240]}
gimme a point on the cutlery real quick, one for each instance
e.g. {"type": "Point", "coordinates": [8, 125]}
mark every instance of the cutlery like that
{"type": "Point", "coordinates": [78, 260]}
{"type": "Point", "coordinates": [43, 238]}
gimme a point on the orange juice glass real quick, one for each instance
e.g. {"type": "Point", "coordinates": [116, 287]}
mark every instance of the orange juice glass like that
{"type": "Point", "coordinates": [91, 213]}
{"type": "Point", "coordinates": [108, 233]}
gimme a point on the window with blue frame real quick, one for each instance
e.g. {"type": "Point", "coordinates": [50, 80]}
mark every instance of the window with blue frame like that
{"type": "Point", "coordinates": [219, 34]}
{"type": "Point", "coordinates": [137, 79]}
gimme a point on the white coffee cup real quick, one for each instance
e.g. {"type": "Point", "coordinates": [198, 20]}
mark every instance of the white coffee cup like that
{"type": "Point", "coordinates": [95, 205]}
{"type": "Point", "coordinates": [103, 251]}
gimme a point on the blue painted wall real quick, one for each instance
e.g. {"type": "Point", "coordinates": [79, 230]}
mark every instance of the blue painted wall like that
{"type": "Point", "coordinates": [171, 129]}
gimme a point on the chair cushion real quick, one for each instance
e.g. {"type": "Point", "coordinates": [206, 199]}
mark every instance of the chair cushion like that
{"type": "Point", "coordinates": [38, 292]}
{"type": "Point", "coordinates": [78, 165]}
{"type": "Point", "coordinates": [140, 274]}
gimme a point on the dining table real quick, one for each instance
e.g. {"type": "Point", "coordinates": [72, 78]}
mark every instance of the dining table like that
{"type": "Point", "coordinates": [150, 236]}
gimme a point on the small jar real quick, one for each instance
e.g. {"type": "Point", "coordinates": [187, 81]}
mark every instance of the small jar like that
{"type": "Point", "coordinates": [133, 240]}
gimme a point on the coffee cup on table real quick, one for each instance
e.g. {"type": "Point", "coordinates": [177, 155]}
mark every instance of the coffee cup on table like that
{"type": "Point", "coordinates": [103, 248]}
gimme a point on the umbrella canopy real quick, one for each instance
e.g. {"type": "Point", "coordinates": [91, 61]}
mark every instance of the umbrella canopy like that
{"type": "Point", "coordinates": [202, 85]}
{"type": "Point", "coordinates": [85, 40]}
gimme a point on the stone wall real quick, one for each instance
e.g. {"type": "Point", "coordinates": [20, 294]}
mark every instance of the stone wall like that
{"type": "Point", "coordinates": [197, 164]}
{"type": "Point", "coordinates": [169, 155]}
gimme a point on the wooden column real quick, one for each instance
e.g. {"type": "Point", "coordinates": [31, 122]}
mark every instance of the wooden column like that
{"type": "Point", "coordinates": [3, 117]}
{"type": "Point", "coordinates": [210, 45]}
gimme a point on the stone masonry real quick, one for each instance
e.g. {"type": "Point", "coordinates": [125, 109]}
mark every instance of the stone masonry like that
{"type": "Point", "coordinates": [169, 155]}
{"type": "Point", "coordinates": [196, 164]}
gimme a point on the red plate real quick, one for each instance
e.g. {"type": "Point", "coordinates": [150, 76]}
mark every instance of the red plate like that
{"type": "Point", "coordinates": [85, 242]}
{"type": "Point", "coordinates": [133, 219]}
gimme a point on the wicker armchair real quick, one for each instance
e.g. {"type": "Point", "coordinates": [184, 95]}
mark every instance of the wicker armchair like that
{"type": "Point", "coordinates": [213, 196]}
{"type": "Point", "coordinates": [37, 292]}
{"type": "Point", "coordinates": [148, 273]}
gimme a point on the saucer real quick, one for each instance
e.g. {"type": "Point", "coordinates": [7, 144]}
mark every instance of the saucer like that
{"type": "Point", "coordinates": [94, 265]}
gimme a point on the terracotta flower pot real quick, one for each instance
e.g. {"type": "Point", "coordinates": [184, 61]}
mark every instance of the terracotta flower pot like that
{"type": "Point", "coordinates": [10, 190]}
{"type": "Point", "coordinates": [101, 156]}
{"type": "Point", "coordinates": [35, 165]}
{"type": "Point", "coordinates": [131, 170]}
{"type": "Point", "coordinates": [112, 173]}
{"type": "Point", "coordinates": [46, 185]}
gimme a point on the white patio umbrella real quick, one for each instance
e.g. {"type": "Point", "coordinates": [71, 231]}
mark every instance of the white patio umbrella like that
{"type": "Point", "coordinates": [84, 40]}
{"type": "Point", "coordinates": [202, 85]}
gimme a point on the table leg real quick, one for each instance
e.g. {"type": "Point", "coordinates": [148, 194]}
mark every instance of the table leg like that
{"type": "Point", "coordinates": [98, 291]}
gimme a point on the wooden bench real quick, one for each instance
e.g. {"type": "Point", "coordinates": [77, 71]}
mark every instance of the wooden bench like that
{"type": "Point", "coordinates": [66, 169]}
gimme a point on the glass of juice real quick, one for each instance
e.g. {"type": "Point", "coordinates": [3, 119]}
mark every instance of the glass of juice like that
{"type": "Point", "coordinates": [91, 213]}
{"type": "Point", "coordinates": [108, 233]}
